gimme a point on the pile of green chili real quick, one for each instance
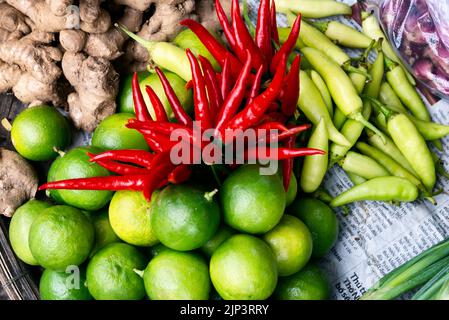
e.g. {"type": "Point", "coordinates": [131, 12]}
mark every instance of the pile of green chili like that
{"type": "Point", "coordinates": [367, 113]}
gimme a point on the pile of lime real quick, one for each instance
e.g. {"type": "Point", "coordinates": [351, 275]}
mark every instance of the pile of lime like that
{"type": "Point", "coordinates": [247, 238]}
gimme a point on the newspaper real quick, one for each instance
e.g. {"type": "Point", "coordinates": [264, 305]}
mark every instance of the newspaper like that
{"type": "Point", "coordinates": [376, 237]}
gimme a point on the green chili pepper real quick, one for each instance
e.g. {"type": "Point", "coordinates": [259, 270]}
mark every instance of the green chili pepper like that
{"type": "Point", "coordinates": [379, 189]}
{"type": "Point", "coordinates": [412, 145]}
{"type": "Point", "coordinates": [371, 27]}
{"type": "Point", "coordinates": [389, 97]}
{"type": "Point", "coordinates": [351, 130]}
{"type": "Point", "coordinates": [429, 130]}
{"type": "Point", "coordinates": [389, 148]}
{"type": "Point", "coordinates": [355, 179]}
{"type": "Point", "coordinates": [406, 92]}
{"type": "Point", "coordinates": [164, 54]}
{"type": "Point", "coordinates": [314, 9]}
{"type": "Point", "coordinates": [362, 166]}
{"type": "Point", "coordinates": [315, 167]}
{"type": "Point", "coordinates": [321, 85]}
{"type": "Point", "coordinates": [376, 71]}
{"type": "Point", "coordinates": [388, 163]}
{"type": "Point", "coordinates": [283, 36]}
{"type": "Point", "coordinates": [314, 108]}
{"type": "Point", "coordinates": [340, 87]}
{"type": "Point", "coordinates": [343, 34]}
{"type": "Point", "coordinates": [358, 80]}
{"type": "Point", "coordinates": [339, 119]}
{"type": "Point", "coordinates": [323, 195]}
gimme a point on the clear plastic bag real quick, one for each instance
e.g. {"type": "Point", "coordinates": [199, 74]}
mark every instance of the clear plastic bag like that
{"type": "Point", "coordinates": [419, 30]}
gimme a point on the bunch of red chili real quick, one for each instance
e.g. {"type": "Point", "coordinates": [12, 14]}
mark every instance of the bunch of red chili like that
{"type": "Point", "coordinates": [219, 105]}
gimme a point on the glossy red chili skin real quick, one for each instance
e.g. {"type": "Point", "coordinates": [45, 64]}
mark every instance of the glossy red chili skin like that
{"type": "Point", "coordinates": [140, 107]}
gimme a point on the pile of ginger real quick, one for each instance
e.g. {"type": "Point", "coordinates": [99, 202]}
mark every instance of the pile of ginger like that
{"type": "Point", "coordinates": [68, 53]}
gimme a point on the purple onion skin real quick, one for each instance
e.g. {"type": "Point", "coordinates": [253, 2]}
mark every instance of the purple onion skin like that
{"type": "Point", "coordinates": [432, 75]}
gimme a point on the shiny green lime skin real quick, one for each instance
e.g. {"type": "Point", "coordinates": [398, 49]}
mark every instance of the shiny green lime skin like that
{"type": "Point", "coordinates": [19, 229]}
{"type": "Point", "coordinates": [175, 275]}
{"type": "Point", "coordinates": [62, 285]}
{"type": "Point", "coordinates": [223, 233]}
{"type": "Point", "coordinates": [76, 164]}
{"type": "Point", "coordinates": [112, 134]}
{"type": "Point", "coordinates": [152, 80]}
{"type": "Point", "coordinates": [321, 220]}
{"type": "Point", "coordinates": [61, 236]}
{"type": "Point", "coordinates": [308, 284]}
{"type": "Point", "coordinates": [244, 268]}
{"type": "Point", "coordinates": [104, 234]}
{"type": "Point", "coordinates": [38, 131]}
{"type": "Point", "coordinates": [111, 273]}
{"type": "Point", "coordinates": [252, 202]}
{"type": "Point", "coordinates": [183, 219]}
{"type": "Point", "coordinates": [291, 243]}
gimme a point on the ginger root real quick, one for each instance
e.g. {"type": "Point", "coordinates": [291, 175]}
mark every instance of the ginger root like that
{"type": "Point", "coordinates": [18, 181]}
{"type": "Point", "coordinates": [96, 84]}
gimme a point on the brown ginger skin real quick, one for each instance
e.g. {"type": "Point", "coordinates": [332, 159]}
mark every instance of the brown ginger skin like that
{"type": "Point", "coordinates": [96, 84]}
{"type": "Point", "coordinates": [18, 182]}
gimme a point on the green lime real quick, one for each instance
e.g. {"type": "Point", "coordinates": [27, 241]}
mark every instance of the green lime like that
{"type": "Point", "coordinates": [54, 194]}
{"type": "Point", "coordinates": [38, 131]}
{"type": "Point", "coordinates": [152, 80]}
{"type": "Point", "coordinates": [130, 216]}
{"type": "Point", "coordinates": [252, 202]}
{"type": "Point", "coordinates": [175, 275]}
{"type": "Point", "coordinates": [61, 236]}
{"type": "Point", "coordinates": [244, 268]}
{"type": "Point", "coordinates": [292, 191]}
{"type": "Point", "coordinates": [113, 273]}
{"type": "Point", "coordinates": [112, 134]}
{"type": "Point", "coordinates": [104, 234]}
{"type": "Point", "coordinates": [184, 217]}
{"type": "Point", "coordinates": [76, 164]}
{"type": "Point", "coordinates": [291, 243]}
{"type": "Point", "coordinates": [64, 285]}
{"type": "Point", "coordinates": [188, 39]}
{"type": "Point", "coordinates": [19, 229]}
{"type": "Point", "coordinates": [125, 96]}
{"type": "Point", "coordinates": [308, 284]}
{"type": "Point", "coordinates": [223, 233]}
{"type": "Point", "coordinates": [321, 221]}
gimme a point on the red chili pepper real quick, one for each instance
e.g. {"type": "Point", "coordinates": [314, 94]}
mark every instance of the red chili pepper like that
{"type": "Point", "coordinates": [263, 30]}
{"type": "Point", "coordinates": [273, 116]}
{"type": "Point", "coordinates": [256, 85]}
{"type": "Point", "coordinates": [274, 106]}
{"type": "Point", "coordinates": [287, 165]}
{"type": "Point", "coordinates": [158, 107]}
{"type": "Point", "coordinates": [112, 183]}
{"type": "Point", "coordinates": [213, 92]}
{"type": "Point", "coordinates": [243, 39]}
{"type": "Point", "coordinates": [258, 153]}
{"type": "Point", "coordinates": [235, 97]}
{"type": "Point", "coordinates": [202, 112]}
{"type": "Point", "coordinates": [223, 19]}
{"type": "Point", "coordinates": [179, 112]}
{"type": "Point", "coordinates": [291, 89]}
{"type": "Point", "coordinates": [140, 107]}
{"type": "Point", "coordinates": [226, 78]}
{"type": "Point", "coordinates": [180, 174]}
{"type": "Point", "coordinates": [274, 125]}
{"type": "Point", "coordinates": [254, 112]}
{"type": "Point", "coordinates": [189, 85]}
{"type": "Point", "coordinates": [138, 157]}
{"type": "Point", "coordinates": [274, 25]}
{"type": "Point", "coordinates": [288, 46]}
{"type": "Point", "coordinates": [290, 132]}
{"type": "Point", "coordinates": [218, 51]}
{"type": "Point", "coordinates": [158, 178]}
{"type": "Point", "coordinates": [120, 168]}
